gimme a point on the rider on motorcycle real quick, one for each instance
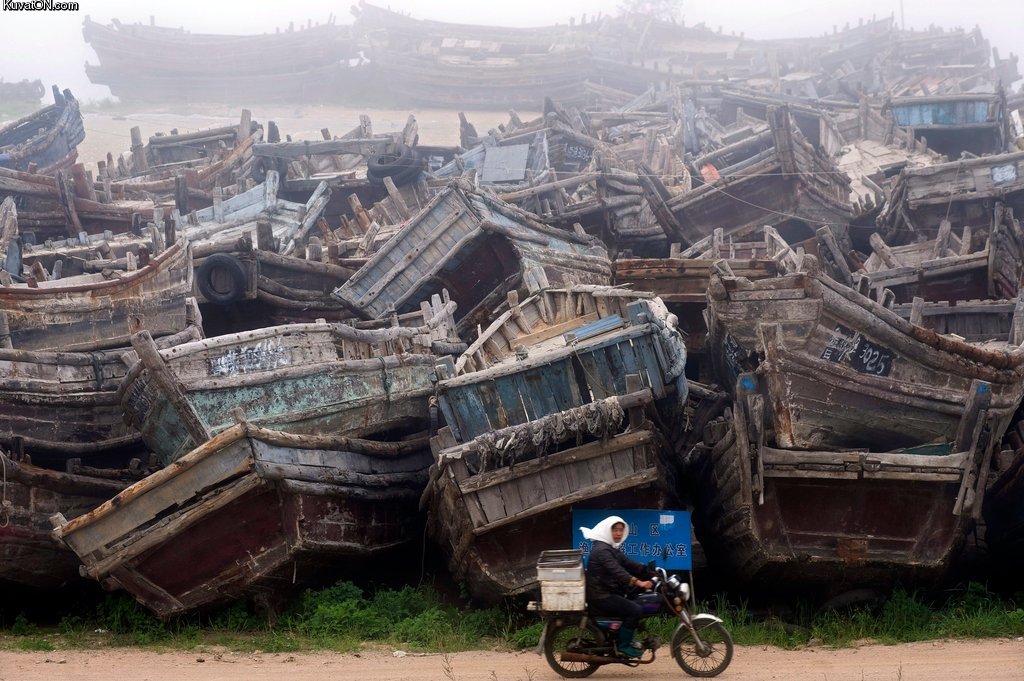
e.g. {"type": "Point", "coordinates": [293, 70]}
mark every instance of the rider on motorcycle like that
{"type": "Point", "coordinates": [610, 575]}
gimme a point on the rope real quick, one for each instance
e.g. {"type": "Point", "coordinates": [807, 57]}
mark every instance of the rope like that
{"type": "Point", "coordinates": [97, 370]}
{"type": "Point", "coordinates": [953, 193]}
{"type": "Point", "coordinates": [5, 505]}
{"type": "Point", "coordinates": [385, 382]}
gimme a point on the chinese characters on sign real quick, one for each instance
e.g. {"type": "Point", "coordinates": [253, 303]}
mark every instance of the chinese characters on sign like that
{"type": "Point", "coordinates": [661, 536]}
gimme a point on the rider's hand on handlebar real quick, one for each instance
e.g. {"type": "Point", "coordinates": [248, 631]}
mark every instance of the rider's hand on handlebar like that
{"type": "Point", "coordinates": [645, 584]}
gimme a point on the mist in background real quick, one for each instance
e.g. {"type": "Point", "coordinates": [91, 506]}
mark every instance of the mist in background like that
{"type": "Point", "coordinates": [49, 45]}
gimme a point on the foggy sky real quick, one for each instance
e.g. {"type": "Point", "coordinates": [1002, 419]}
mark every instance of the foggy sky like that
{"type": "Point", "coordinates": [49, 45]}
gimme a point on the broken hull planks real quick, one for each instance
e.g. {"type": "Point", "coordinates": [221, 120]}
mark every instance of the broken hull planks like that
{"type": "Point", "coordinates": [844, 371]}
{"type": "Point", "coordinates": [829, 517]}
{"type": "Point", "coordinates": [65, 404]}
{"type": "Point", "coordinates": [475, 246]}
{"type": "Point", "coordinates": [92, 312]}
{"type": "Point", "coordinates": [29, 555]}
{"type": "Point", "coordinates": [962, 192]}
{"type": "Point", "coordinates": [47, 139]}
{"type": "Point", "coordinates": [494, 524]}
{"type": "Point", "coordinates": [932, 270]}
{"type": "Point", "coordinates": [253, 510]}
{"type": "Point", "coordinates": [238, 217]}
{"type": "Point", "coordinates": [790, 186]}
{"type": "Point", "coordinates": [288, 377]}
{"type": "Point", "coordinates": [682, 283]}
{"type": "Point", "coordinates": [976, 321]}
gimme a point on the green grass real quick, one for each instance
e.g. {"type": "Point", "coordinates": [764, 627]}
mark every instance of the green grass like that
{"type": "Point", "coordinates": [344, 618]}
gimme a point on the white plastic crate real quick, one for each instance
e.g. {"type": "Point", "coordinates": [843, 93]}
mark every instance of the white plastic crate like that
{"type": "Point", "coordinates": [560, 566]}
{"type": "Point", "coordinates": [563, 596]}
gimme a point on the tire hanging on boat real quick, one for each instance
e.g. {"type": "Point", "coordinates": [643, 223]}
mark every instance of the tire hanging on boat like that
{"type": "Point", "coordinates": [221, 279]}
{"type": "Point", "coordinates": [402, 165]}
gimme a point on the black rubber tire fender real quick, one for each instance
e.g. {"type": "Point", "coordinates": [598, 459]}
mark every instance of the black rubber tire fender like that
{"type": "Point", "coordinates": [390, 164]}
{"type": "Point", "coordinates": [235, 273]}
{"type": "Point", "coordinates": [400, 176]}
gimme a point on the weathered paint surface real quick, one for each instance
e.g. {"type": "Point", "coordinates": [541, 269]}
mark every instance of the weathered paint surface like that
{"type": "Point", "coordinates": [941, 113]}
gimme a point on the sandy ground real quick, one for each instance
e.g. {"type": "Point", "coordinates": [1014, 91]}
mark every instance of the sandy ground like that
{"type": "Point", "coordinates": [988, 660]}
{"type": "Point", "coordinates": [110, 131]}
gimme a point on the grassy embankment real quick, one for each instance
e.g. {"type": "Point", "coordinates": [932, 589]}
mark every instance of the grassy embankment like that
{"type": "Point", "coordinates": [345, 618]}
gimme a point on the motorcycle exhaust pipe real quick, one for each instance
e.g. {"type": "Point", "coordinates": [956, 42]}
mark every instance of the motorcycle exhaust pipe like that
{"type": "Point", "coordinates": [584, 657]}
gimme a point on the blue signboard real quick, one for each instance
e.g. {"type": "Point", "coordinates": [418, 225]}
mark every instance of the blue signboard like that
{"type": "Point", "coordinates": [661, 536]}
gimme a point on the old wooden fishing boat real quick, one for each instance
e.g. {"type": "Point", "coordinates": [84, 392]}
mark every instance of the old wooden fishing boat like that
{"type": "Point", "coordinates": [171, 64]}
{"type": "Point", "coordinates": [772, 178]}
{"type": "Point", "coordinates": [536, 412]}
{"type": "Point", "coordinates": [840, 370]}
{"type": "Point", "coordinates": [29, 555]}
{"type": "Point", "coordinates": [975, 321]}
{"type": "Point", "coordinates": [297, 378]}
{"type": "Point", "coordinates": [962, 192]}
{"type": "Point", "coordinates": [418, 60]}
{"type": "Point", "coordinates": [97, 311]}
{"type": "Point", "coordinates": [973, 122]}
{"type": "Point", "coordinates": [45, 141]}
{"type": "Point", "coordinates": [948, 268]}
{"type": "Point", "coordinates": [65, 404]}
{"type": "Point", "coordinates": [184, 167]}
{"type": "Point", "coordinates": [682, 280]}
{"type": "Point", "coordinates": [65, 205]}
{"type": "Point", "coordinates": [252, 511]}
{"type": "Point", "coordinates": [770, 514]}
{"type": "Point", "coordinates": [478, 248]}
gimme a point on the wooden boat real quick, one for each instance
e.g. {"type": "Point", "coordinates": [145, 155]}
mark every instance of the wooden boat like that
{"type": "Point", "coordinates": [95, 312]}
{"type": "Point", "coordinates": [61, 206]}
{"type": "Point", "coordinates": [184, 167]}
{"type": "Point", "coordinates": [298, 378]}
{"type": "Point", "coordinates": [779, 180]}
{"type": "Point", "coordinates": [535, 411]}
{"type": "Point", "coordinates": [252, 511]}
{"type": "Point", "coordinates": [418, 60]}
{"type": "Point", "coordinates": [29, 555]}
{"type": "Point", "coordinates": [65, 404]}
{"type": "Point", "coordinates": [140, 61]}
{"type": "Point", "coordinates": [841, 518]}
{"type": "Point", "coordinates": [478, 248]}
{"type": "Point", "coordinates": [948, 268]}
{"type": "Point", "coordinates": [962, 192]}
{"type": "Point", "coordinates": [975, 321]}
{"type": "Point", "coordinates": [45, 141]}
{"type": "Point", "coordinates": [972, 122]}
{"type": "Point", "coordinates": [228, 220]}
{"type": "Point", "coordinates": [682, 280]}
{"type": "Point", "coordinates": [843, 371]}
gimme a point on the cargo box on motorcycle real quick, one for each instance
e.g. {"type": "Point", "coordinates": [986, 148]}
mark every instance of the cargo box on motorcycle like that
{"type": "Point", "coordinates": [562, 583]}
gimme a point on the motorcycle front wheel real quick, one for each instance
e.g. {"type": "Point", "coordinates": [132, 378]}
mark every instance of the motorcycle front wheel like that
{"type": "Point", "coordinates": [568, 637]}
{"type": "Point", "coordinates": [712, 658]}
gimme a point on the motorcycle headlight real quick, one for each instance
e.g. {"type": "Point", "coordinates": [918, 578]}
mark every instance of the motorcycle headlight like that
{"type": "Point", "coordinates": [684, 591]}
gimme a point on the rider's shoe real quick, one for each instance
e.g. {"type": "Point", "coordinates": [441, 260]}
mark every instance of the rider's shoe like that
{"type": "Point", "coordinates": [630, 650]}
{"type": "Point", "coordinates": [626, 646]}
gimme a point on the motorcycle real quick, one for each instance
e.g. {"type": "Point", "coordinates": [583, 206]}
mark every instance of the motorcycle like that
{"type": "Point", "coordinates": [577, 644]}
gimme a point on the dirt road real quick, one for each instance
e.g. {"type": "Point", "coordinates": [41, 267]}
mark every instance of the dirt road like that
{"type": "Point", "coordinates": [989, 660]}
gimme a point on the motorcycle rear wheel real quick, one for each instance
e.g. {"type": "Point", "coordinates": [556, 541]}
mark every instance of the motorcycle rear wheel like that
{"type": "Point", "coordinates": [717, 657]}
{"type": "Point", "coordinates": [567, 637]}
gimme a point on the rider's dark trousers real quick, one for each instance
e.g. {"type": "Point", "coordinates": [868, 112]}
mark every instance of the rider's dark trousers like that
{"type": "Point", "coordinates": [618, 606]}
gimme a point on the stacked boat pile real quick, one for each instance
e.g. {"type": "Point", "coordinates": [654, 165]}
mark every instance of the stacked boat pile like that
{"type": "Point", "coordinates": [232, 363]}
